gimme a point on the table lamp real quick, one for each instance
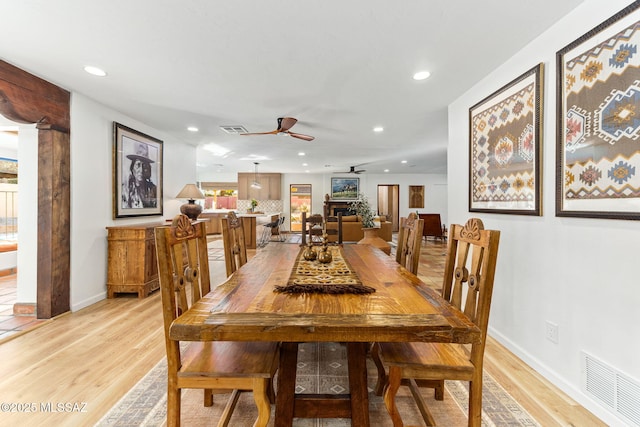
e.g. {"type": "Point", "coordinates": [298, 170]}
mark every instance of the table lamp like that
{"type": "Point", "coordinates": [191, 193]}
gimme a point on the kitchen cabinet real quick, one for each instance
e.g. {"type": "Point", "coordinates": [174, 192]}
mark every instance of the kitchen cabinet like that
{"type": "Point", "coordinates": [271, 186]}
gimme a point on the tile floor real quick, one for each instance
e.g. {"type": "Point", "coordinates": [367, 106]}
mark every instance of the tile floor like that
{"type": "Point", "coordinates": [9, 323]}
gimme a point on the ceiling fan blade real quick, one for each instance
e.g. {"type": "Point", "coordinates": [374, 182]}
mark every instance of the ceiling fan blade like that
{"type": "Point", "coordinates": [301, 136]}
{"type": "Point", "coordinates": [285, 123]}
{"type": "Point", "coordinates": [273, 132]}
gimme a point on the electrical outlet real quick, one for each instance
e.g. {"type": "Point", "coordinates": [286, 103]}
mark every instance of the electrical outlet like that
{"type": "Point", "coordinates": [552, 332]}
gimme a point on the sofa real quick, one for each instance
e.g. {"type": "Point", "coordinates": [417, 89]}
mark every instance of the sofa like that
{"type": "Point", "coordinates": [352, 229]}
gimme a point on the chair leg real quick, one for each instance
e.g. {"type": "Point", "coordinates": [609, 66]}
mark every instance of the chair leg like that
{"type": "Point", "coordinates": [389, 397]}
{"type": "Point", "coordinates": [228, 409]}
{"type": "Point", "coordinates": [422, 405]}
{"type": "Point", "coordinates": [173, 406]}
{"type": "Point", "coordinates": [261, 397]}
{"type": "Point", "coordinates": [475, 403]}
{"type": "Point", "coordinates": [208, 397]}
{"type": "Point", "coordinates": [437, 385]}
{"type": "Point", "coordinates": [382, 375]}
{"type": "Point", "coordinates": [271, 393]}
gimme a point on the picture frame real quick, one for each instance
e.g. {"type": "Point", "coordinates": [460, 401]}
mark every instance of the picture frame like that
{"type": "Point", "coordinates": [416, 196]}
{"type": "Point", "coordinates": [137, 173]}
{"type": "Point", "coordinates": [598, 128]}
{"type": "Point", "coordinates": [505, 148]}
{"type": "Point", "coordinates": [345, 188]}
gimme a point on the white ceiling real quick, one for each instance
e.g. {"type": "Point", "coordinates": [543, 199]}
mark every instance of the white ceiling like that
{"type": "Point", "coordinates": [339, 67]}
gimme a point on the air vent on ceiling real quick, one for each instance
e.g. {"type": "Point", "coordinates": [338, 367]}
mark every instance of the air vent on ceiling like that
{"type": "Point", "coordinates": [236, 129]}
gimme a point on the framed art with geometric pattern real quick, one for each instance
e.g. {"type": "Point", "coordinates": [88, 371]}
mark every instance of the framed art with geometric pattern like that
{"type": "Point", "coordinates": [505, 148]}
{"type": "Point", "coordinates": [598, 129]}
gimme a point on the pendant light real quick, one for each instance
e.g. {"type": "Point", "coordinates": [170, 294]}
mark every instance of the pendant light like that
{"type": "Point", "coordinates": [255, 184]}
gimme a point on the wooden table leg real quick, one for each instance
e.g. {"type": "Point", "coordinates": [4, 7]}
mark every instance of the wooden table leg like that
{"type": "Point", "coordinates": [357, 359]}
{"type": "Point", "coordinates": [286, 384]}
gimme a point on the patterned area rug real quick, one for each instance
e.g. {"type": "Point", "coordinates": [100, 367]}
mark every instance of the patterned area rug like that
{"type": "Point", "coordinates": [321, 369]}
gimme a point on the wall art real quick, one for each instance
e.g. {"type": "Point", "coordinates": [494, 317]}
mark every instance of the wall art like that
{"type": "Point", "coordinates": [598, 150]}
{"type": "Point", "coordinates": [505, 148]}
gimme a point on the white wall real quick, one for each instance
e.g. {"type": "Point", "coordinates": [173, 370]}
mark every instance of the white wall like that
{"type": "Point", "coordinates": [577, 273]}
{"type": "Point", "coordinates": [28, 219]}
{"type": "Point", "coordinates": [91, 190]}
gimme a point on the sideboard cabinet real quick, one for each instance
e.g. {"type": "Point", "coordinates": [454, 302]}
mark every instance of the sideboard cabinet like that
{"type": "Point", "coordinates": [131, 264]}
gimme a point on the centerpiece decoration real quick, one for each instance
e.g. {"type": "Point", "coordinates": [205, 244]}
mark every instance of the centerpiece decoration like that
{"type": "Point", "coordinates": [254, 203]}
{"type": "Point", "coordinates": [362, 208]}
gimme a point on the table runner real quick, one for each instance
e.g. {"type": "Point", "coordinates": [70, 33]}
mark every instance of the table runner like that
{"type": "Point", "coordinates": [336, 277]}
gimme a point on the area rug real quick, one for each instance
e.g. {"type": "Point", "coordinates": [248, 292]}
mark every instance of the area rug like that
{"type": "Point", "coordinates": [321, 369]}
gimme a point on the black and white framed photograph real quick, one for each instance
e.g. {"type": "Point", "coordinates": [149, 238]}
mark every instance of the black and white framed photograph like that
{"type": "Point", "coordinates": [137, 173]}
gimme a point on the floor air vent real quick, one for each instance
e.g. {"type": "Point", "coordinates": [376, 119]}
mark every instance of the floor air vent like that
{"type": "Point", "coordinates": [612, 388]}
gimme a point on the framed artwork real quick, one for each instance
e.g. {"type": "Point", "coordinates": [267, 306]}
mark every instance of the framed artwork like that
{"type": "Point", "coordinates": [505, 148]}
{"type": "Point", "coordinates": [598, 150]}
{"type": "Point", "coordinates": [344, 188]}
{"type": "Point", "coordinates": [416, 196]}
{"type": "Point", "coordinates": [137, 173]}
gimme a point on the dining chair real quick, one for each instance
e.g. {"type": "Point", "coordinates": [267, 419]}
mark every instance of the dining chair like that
{"type": "Point", "coordinates": [221, 366]}
{"type": "Point", "coordinates": [409, 241]}
{"type": "Point", "coordinates": [311, 227]}
{"type": "Point", "coordinates": [334, 228]}
{"type": "Point", "coordinates": [235, 247]}
{"type": "Point", "coordinates": [469, 267]}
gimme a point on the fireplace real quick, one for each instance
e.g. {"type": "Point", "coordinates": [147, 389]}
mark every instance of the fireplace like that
{"type": "Point", "coordinates": [333, 207]}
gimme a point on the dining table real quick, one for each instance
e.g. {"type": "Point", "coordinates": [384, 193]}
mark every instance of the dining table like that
{"type": "Point", "coordinates": [362, 296]}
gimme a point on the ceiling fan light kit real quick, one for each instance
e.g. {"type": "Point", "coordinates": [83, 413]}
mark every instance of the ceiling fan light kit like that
{"type": "Point", "coordinates": [284, 124]}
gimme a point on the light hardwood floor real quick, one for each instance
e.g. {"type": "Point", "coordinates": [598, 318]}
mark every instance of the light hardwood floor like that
{"type": "Point", "coordinates": [89, 359]}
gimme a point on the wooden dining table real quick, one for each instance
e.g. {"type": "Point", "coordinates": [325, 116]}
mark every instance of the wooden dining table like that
{"type": "Point", "coordinates": [246, 307]}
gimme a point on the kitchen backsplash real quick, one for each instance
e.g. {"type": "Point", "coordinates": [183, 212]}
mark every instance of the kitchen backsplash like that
{"type": "Point", "coordinates": [266, 206]}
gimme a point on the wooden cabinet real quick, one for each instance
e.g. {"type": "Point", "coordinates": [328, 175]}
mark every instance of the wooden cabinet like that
{"type": "Point", "coordinates": [131, 264]}
{"type": "Point", "coordinates": [271, 186]}
{"type": "Point", "coordinates": [213, 225]}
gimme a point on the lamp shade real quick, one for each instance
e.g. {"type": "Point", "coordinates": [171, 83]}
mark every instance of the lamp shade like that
{"type": "Point", "coordinates": [190, 192]}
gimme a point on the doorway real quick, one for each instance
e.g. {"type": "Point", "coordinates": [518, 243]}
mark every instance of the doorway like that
{"type": "Point", "coordinates": [299, 201]}
{"type": "Point", "coordinates": [389, 203]}
{"type": "Point", "coordinates": [30, 99]}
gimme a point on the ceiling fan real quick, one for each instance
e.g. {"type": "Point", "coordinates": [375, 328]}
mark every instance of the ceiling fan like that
{"type": "Point", "coordinates": [352, 169]}
{"type": "Point", "coordinates": [284, 124]}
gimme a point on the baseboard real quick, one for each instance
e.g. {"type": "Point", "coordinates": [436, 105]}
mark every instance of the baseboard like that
{"type": "Point", "coordinates": [24, 309]}
{"type": "Point", "coordinates": [89, 301]}
{"type": "Point", "coordinates": [552, 376]}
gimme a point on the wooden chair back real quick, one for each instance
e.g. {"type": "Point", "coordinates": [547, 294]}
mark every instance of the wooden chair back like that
{"type": "Point", "coordinates": [235, 247]}
{"type": "Point", "coordinates": [183, 271]}
{"type": "Point", "coordinates": [334, 228]}
{"type": "Point", "coordinates": [310, 225]}
{"type": "Point", "coordinates": [469, 272]}
{"type": "Point", "coordinates": [409, 240]}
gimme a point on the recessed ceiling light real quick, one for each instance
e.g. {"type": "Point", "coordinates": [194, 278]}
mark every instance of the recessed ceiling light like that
{"type": "Point", "coordinates": [404, 161]}
{"type": "Point", "coordinates": [305, 164]}
{"type": "Point", "coordinates": [95, 71]}
{"type": "Point", "coordinates": [378, 129]}
{"type": "Point", "coordinates": [386, 170]}
{"type": "Point", "coordinates": [421, 75]}
{"type": "Point", "coordinates": [192, 129]}
{"type": "Point", "coordinates": [307, 171]}
{"type": "Point", "coordinates": [301, 153]}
